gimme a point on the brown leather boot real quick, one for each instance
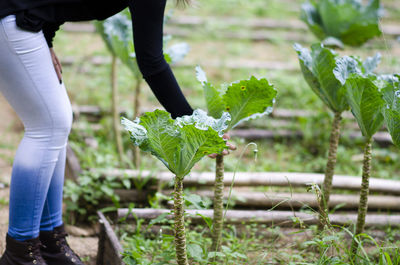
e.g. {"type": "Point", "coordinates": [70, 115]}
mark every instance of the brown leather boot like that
{"type": "Point", "coordinates": [22, 252]}
{"type": "Point", "coordinates": [55, 249]}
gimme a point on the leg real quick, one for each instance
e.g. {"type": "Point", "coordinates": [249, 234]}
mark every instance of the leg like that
{"type": "Point", "coordinates": [52, 212]}
{"type": "Point", "coordinates": [29, 83]}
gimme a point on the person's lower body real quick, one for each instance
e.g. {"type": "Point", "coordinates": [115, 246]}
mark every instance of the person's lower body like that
{"type": "Point", "coordinates": [29, 83]}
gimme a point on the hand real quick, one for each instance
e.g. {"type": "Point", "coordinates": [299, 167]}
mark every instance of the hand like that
{"type": "Point", "coordinates": [57, 65]}
{"type": "Point", "coordinates": [226, 151]}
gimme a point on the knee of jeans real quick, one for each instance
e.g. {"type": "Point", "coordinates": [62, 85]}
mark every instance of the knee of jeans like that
{"type": "Point", "coordinates": [63, 124]}
{"type": "Point", "coordinates": [57, 127]}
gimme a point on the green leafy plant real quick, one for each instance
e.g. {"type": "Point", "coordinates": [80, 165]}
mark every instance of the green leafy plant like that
{"type": "Point", "coordinates": [318, 70]}
{"type": "Point", "coordinates": [179, 144]}
{"type": "Point", "coordinates": [391, 112]}
{"type": "Point", "coordinates": [117, 33]}
{"type": "Point", "coordinates": [84, 197]}
{"type": "Point", "coordinates": [367, 103]}
{"type": "Point", "coordinates": [348, 21]}
{"type": "Point", "coordinates": [243, 100]}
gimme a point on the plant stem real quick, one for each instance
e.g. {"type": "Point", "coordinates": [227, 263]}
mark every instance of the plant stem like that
{"type": "Point", "coordinates": [136, 109]}
{"type": "Point", "coordinates": [115, 113]}
{"type": "Point", "coordinates": [329, 171]}
{"type": "Point", "coordinates": [179, 223]}
{"type": "Point", "coordinates": [363, 205]}
{"type": "Point", "coordinates": [218, 220]}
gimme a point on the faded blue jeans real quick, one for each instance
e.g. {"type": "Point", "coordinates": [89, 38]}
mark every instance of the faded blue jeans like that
{"type": "Point", "coordinates": [29, 83]}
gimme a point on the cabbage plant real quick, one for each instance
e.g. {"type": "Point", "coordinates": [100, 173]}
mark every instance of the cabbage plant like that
{"type": "Point", "coordinates": [348, 21]}
{"type": "Point", "coordinates": [117, 34]}
{"type": "Point", "coordinates": [243, 100]}
{"type": "Point", "coordinates": [318, 70]}
{"type": "Point", "coordinates": [364, 95]}
{"type": "Point", "coordinates": [391, 112]}
{"type": "Point", "coordinates": [179, 144]}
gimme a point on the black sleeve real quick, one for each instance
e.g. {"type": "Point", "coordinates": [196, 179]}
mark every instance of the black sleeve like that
{"type": "Point", "coordinates": [49, 32]}
{"type": "Point", "coordinates": [148, 21]}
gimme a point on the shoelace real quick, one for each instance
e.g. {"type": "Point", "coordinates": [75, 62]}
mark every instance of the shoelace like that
{"type": "Point", "coordinates": [64, 247]}
{"type": "Point", "coordinates": [35, 254]}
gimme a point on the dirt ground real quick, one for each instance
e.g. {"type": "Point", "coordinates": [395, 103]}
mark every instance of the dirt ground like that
{"type": "Point", "coordinates": [10, 135]}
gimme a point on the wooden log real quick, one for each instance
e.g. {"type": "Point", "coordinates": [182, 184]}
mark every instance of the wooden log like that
{"type": "Point", "coordinates": [298, 113]}
{"type": "Point", "coordinates": [382, 138]}
{"type": "Point", "coordinates": [109, 251]}
{"type": "Point", "coordinates": [279, 218]}
{"type": "Point", "coordinates": [257, 23]}
{"type": "Point", "coordinates": [266, 23]}
{"type": "Point", "coordinates": [260, 23]}
{"type": "Point", "coordinates": [267, 200]}
{"type": "Point", "coordinates": [255, 179]}
{"type": "Point", "coordinates": [255, 35]}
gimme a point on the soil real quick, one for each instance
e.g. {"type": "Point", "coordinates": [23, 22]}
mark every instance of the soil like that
{"type": "Point", "coordinates": [11, 131]}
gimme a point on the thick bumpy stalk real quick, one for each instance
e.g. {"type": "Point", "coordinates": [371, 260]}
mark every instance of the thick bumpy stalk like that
{"type": "Point", "coordinates": [136, 109]}
{"type": "Point", "coordinates": [218, 220]}
{"type": "Point", "coordinates": [329, 171]}
{"type": "Point", "coordinates": [363, 206]}
{"type": "Point", "coordinates": [180, 236]}
{"type": "Point", "coordinates": [115, 113]}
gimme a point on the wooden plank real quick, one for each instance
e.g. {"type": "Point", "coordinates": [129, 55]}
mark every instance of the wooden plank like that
{"type": "Point", "coordinates": [279, 218]}
{"type": "Point", "coordinates": [255, 179]}
{"type": "Point", "coordinates": [109, 252]}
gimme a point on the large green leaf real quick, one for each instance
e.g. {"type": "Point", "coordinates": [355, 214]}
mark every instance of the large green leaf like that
{"type": "Point", "coordinates": [345, 67]}
{"type": "Point", "coordinates": [391, 95]}
{"type": "Point", "coordinates": [347, 20]}
{"type": "Point", "coordinates": [202, 121]}
{"type": "Point", "coordinates": [180, 143]}
{"type": "Point", "coordinates": [366, 103]}
{"type": "Point", "coordinates": [249, 99]}
{"type": "Point", "coordinates": [243, 100]}
{"type": "Point", "coordinates": [317, 67]}
{"type": "Point", "coordinates": [215, 105]}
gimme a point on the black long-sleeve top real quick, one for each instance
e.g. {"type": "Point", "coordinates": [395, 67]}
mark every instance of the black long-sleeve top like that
{"type": "Point", "coordinates": [147, 21]}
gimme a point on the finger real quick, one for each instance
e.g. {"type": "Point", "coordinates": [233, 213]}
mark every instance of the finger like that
{"type": "Point", "coordinates": [226, 137]}
{"type": "Point", "coordinates": [225, 152]}
{"type": "Point", "coordinates": [58, 63]}
{"type": "Point", "coordinates": [231, 146]}
{"type": "Point", "coordinates": [58, 71]}
{"type": "Point", "coordinates": [212, 156]}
